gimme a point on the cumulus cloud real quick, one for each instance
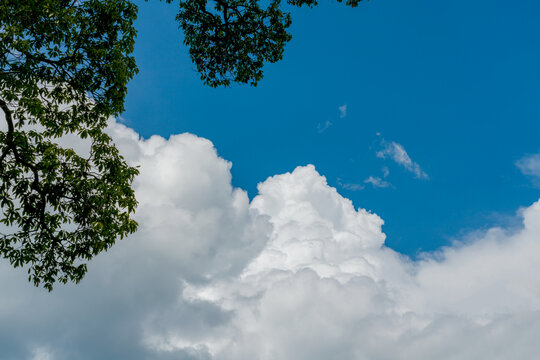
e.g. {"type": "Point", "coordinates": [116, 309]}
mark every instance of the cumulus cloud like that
{"type": "Point", "coordinates": [314, 296]}
{"type": "Point", "coordinates": [194, 226]}
{"type": "Point", "coordinates": [397, 153]}
{"type": "Point", "coordinates": [297, 273]}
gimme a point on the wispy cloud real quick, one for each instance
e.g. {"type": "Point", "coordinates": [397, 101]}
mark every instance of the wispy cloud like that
{"type": "Point", "coordinates": [350, 186]}
{"type": "Point", "coordinates": [530, 165]}
{"type": "Point", "coordinates": [41, 353]}
{"type": "Point", "coordinates": [322, 127]}
{"type": "Point", "coordinates": [385, 171]}
{"type": "Point", "coordinates": [342, 111]}
{"type": "Point", "coordinates": [397, 152]}
{"type": "Point", "coordinates": [377, 182]}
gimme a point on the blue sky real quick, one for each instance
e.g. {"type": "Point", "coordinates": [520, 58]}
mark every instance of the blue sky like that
{"type": "Point", "coordinates": [455, 83]}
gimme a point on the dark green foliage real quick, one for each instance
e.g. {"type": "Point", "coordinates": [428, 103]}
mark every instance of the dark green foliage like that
{"type": "Point", "coordinates": [64, 68]}
{"type": "Point", "coordinates": [230, 40]}
{"type": "Point", "coordinates": [312, 3]}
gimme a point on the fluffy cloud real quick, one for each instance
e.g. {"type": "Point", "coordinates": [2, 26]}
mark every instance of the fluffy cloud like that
{"type": "Point", "coordinates": [297, 273]}
{"type": "Point", "coordinates": [194, 226]}
{"type": "Point", "coordinates": [397, 153]}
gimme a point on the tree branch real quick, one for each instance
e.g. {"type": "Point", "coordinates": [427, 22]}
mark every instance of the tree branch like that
{"type": "Point", "coordinates": [18, 158]}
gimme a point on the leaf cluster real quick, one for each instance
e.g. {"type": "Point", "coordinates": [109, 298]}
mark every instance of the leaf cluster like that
{"type": "Point", "coordinates": [231, 40]}
{"type": "Point", "coordinates": [64, 67]}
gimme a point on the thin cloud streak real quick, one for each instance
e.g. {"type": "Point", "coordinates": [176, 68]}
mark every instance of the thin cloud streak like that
{"type": "Point", "coordinates": [323, 127]}
{"type": "Point", "coordinates": [350, 186]}
{"type": "Point", "coordinates": [397, 153]}
{"type": "Point", "coordinates": [377, 182]}
{"type": "Point", "coordinates": [342, 111]}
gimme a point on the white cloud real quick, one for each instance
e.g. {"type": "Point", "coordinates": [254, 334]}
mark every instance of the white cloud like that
{"type": "Point", "coordinates": [530, 165]}
{"type": "Point", "coordinates": [297, 273]}
{"type": "Point", "coordinates": [397, 153]}
{"type": "Point", "coordinates": [350, 186]}
{"type": "Point", "coordinates": [309, 295]}
{"type": "Point", "coordinates": [377, 182]}
{"type": "Point", "coordinates": [42, 354]}
{"type": "Point", "coordinates": [323, 127]}
{"type": "Point", "coordinates": [342, 111]}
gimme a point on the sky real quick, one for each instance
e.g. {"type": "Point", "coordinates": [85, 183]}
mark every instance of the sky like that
{"type": "Point", "coordinates": [454, 84]}
{"type": "Point", "coordinates": [375, 197]}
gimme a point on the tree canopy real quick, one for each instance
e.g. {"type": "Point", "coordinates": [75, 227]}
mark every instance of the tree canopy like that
{"type": "Point", "coordinates": [64, 69]}
{"type": "Point", "coordinates": [230, 40]}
